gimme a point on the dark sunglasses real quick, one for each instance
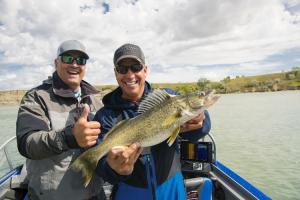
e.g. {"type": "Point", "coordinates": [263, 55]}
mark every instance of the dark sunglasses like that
{"type": "Point", "coordinates": [124, 69]}
{"type": "Point", "coordinates": [67, 59]}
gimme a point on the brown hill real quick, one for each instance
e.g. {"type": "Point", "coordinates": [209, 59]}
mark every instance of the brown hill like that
{"type": "Point", "coordinates": [14, 97]}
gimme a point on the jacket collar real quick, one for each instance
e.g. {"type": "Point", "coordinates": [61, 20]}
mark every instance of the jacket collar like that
{"type": "Point", "coordinates": [114, 99]}
{"type": "Point", "coordinates": [63, 90]}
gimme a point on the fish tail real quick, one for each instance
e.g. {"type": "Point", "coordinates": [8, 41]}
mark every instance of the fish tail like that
{"type": "Point", "coordinates": [86, 163]}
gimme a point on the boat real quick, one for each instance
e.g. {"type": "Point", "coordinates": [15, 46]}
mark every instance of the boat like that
{"type": "Point", "coordinates": [205, 177]}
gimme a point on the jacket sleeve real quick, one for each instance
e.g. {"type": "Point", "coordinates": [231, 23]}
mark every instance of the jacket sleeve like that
{"type": "Point", "coordinates": [36, 140]}
{"type": "Point", "coordinates": [103, 169]}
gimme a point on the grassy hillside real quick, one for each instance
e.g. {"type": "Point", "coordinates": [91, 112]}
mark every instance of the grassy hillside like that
{"type": "Point", "coordinates": [262, 83]}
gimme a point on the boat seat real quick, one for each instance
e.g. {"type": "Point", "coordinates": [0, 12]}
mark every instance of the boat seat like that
{"type": "Point", "coordinates": [200, 188]}
{"type": "Point", "coordinates": [19, 181]}
{"type": "Point", "coordinates": [18, 186]}
{"type": "Point", "coordinates": [16, 194]}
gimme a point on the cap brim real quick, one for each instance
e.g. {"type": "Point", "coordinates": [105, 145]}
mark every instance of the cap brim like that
{"type": "Point", "coordinates": [128, 56]}
{"type": "Point", "coordinates": [86, 56]}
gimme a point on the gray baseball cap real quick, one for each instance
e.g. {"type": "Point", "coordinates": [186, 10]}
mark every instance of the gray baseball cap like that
{"type": "Point", "coordinates": [71, 45]}
{"type": "Point", "coordinates": [129, 51]}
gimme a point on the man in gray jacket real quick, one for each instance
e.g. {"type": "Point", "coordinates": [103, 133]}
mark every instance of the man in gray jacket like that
{"type": "Point", "coordinates": [53, 128]}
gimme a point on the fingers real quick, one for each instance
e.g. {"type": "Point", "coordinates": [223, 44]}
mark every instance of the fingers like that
{"type": "Point", "coordinates": [193, 124]}
{"type": "Point", "coordinates": [190, 127]}
{"type": "Point", "coordinates": [197, 119]}
{"type": "Point", "coordinates": [90, 132]}
{"type": "Point", "coordinates": [86, 133]}
{"type": "Point", "coordinates": [138, 153]}
{"type": "Point", "coordinates": [91, 138]}
{"type": "Point", "coordinates": [131, 150]}
{"type": "Point", "coordinates": [127, 154]}
{"type": "Point", "coordinates": [90, 143]}
{"type": "Point", "coordinates": [133, 153]}
{"type": "Point", "coordinates": [122, 158]}
{"type": "Point", "coordinates": [116, 161]}
{"type": "Point", "coordinates": [93, 124]}
{"type": "Point", "coordinates": [117, 151]}
{"type": "Point", "coordinates": [87, 141]}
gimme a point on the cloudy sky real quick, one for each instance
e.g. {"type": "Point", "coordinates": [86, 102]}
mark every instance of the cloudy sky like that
{"type": "Point", "coordinates": [183, 40]}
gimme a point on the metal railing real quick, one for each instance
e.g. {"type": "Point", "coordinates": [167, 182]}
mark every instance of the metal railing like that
{"type": "Point", "coordinates": [4, 148]}
{"type": "Point", "coordinates": [214, 149]}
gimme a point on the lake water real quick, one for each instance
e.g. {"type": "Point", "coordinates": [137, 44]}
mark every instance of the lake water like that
{"type": "Point", "coordinates": [257, 135]}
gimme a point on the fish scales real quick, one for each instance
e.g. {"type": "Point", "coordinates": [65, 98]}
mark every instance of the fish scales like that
{"type": "Point", "coordinates": [161, 117]}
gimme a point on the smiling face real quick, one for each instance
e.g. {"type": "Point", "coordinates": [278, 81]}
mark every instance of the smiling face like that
{"type": "Point", "coordinates": [131, 83]}
{"type": "Point", "coordinates": [71, 74]}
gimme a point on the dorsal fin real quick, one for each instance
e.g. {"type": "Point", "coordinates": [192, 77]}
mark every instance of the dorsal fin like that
{"type": "Point", "coordinates": [153, 99]}
{"type": "Point", "coordinates": [114, 127]}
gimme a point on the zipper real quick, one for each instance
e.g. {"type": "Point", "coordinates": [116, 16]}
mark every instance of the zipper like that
{"type": "Point", "coordinates": [151, 177]}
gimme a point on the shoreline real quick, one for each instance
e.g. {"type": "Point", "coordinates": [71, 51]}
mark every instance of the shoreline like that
{"type": "Point", "coordinates": [14, 97]}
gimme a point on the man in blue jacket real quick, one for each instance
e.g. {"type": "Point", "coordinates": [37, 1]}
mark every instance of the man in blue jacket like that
{"type": "Point", "coordinates": [155, 173]}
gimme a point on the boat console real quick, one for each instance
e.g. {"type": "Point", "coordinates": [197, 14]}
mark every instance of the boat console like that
{"type": "Point", "coordinates": [196, 159]}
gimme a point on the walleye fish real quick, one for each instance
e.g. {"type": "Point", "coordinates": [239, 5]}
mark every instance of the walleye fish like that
{"type": "Point", "coordinates": [161, 116]}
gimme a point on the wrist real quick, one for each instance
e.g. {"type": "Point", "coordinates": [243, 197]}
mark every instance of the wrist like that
{"type": "Point", "coordinates": [70, 138]}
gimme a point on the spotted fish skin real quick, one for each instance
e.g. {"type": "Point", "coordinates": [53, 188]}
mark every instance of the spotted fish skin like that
{"type": "Point", "coordinates": [160, 117]}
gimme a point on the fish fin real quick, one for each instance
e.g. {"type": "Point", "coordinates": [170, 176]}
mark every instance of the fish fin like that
{"type": "Point", "coordinates": [153, 99]}
{"type": "Point", "coordinates": [86, 163]}
{"type": "Point", "coordinates": [173, 136]}
{"type": "Point", "coordinates": [171, 119]}
{"type": "Point", "coordinates": [117, 125]}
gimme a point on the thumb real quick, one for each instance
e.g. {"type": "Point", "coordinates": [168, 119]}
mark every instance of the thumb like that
{"type": "Point", "coordinates": [85, 112]}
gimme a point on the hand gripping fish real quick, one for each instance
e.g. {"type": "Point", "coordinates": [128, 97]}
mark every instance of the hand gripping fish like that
{"type": "Point", "coordinates": [161, 116]}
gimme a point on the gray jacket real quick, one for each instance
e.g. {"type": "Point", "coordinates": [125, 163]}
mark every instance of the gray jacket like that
{"type": "Point", "coordinates": [45, 119]}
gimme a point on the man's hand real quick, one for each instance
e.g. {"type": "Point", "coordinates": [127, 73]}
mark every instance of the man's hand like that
{"type": "Point", "coordinates": [122, 159]}
{"type": "Point", "coordinates": [86, 133]}
{"type": "Point", "coordinates": [193, 124]}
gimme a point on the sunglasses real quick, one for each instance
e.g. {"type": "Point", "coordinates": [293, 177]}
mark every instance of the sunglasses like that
{"type": "Point", "coordinates": [67, 59]}
{"type": "Point", "coordinates": [124, 69]}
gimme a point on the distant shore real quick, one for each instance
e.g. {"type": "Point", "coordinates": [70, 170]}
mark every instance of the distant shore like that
{"type": "Point", "coordinates": [14, 97]}
{"type": "Point", "coordinates": [240, 84]}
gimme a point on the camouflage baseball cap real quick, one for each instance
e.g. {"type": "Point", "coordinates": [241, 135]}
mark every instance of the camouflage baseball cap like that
{"type": "Point", "coordinates": [129, 51]}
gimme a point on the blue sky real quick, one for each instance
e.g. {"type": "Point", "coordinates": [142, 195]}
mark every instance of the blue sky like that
{"type": "Point", "coordinates": [183, 40]}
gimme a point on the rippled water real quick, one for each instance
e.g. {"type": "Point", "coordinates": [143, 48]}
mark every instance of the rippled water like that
{"type": "Point", "coordinates": [257, 135]}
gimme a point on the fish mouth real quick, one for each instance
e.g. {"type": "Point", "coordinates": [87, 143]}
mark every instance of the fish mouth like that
{"type": "Point", "coordinates": [211, 99]}
{"type": "Point", "coordinates": [205, 99]}
{"type": "Point", "coordinates": [209, 92]}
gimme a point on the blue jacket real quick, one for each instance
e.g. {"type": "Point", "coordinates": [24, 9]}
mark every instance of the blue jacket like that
{"type": "Point", "coordinates": [157, 173]}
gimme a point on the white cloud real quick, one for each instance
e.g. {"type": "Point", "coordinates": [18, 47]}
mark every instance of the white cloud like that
{"type": "Point", "coordinates": [183, 37]}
